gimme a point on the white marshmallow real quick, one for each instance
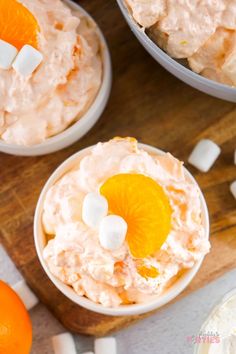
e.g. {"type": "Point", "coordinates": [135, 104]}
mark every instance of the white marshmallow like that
{"type": "Point", "coordinates": [7, 54]}
{"type": "Point", "coordinates": [112, 232]}
{"type": "Point", "coordinates": [88, 353]}
{"type": "Point", "coordinates": [27, 296]}
{"type": "Point", "coordinates": [64, 344]}
{"type": "Point", "coordinates": [105, 345]}
{"type": "Point", "coordinates": [95, 207]}
{"type": "Point", "coordinates": [27, 60]}
{"type": "Point", "coordinates": [204, 155]}
{"type": "Point", "coordinates": [233, 189]}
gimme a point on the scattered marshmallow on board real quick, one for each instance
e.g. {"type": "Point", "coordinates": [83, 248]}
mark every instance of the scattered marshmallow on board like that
{"type": "Point", "coordinates": [204, 155]}
{"type": "Point", "coordinates": [27, 296]}
{"type": "Point", "coordinates": [64, 344]}
{"type": "Point", "coordinates": [233, 188]}
{"type": "Point", "coordinates": [27, 60]}
{"type": "Point", "coordinates": [105, 346]}
{"type": "Point", "coordinates": [7, 54]}
{"type": "Point", "coordinates": [233, 184]}
{"type": "Point", "coordinates": [95, 207]}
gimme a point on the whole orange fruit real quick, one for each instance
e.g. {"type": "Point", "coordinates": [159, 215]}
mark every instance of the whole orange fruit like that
{"type": "Point", "coordinates": [15, 324]}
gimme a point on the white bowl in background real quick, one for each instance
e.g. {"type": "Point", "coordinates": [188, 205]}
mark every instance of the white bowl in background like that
{"type": "Point", "coordinates": [136, 309]}
{"type": "Point", "coordinates": [85, 123]}
{"type": "Point", "coordinates": [197, 81]}
{"type": "Point", "coordinates": [202, 348]}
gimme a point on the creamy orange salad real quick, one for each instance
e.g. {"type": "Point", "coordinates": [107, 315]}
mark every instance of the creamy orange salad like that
{"type": "Point", "coordinates": [151, 195]}
{"type": "Point", "coordinates": [65, 84]}
{"type": "Point", "coordinates": [203, 32]}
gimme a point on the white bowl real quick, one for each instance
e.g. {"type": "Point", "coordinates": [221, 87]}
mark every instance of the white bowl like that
{"type": "Point", "coordinates": [40, 243]}
{"type": "Point", "coordinates": [84, 124]}
{"type": "Point", "coordinates": [202, 348]}
{"type": "Point", "coordinates": [183, 73]}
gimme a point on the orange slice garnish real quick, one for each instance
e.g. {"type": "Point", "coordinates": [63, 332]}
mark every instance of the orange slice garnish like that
{"type": "Point", "coordinates": [18, 26]}
{"type": "Point", "coordinates": [144, 206]}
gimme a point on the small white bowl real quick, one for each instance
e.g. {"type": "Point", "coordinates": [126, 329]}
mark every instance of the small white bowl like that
{"type": "Point", "coordinates": [197, 81]}
{"type": "Point", "coordinates": [85, 123]}
{"type": "Point", "coordinates": [136, 309]}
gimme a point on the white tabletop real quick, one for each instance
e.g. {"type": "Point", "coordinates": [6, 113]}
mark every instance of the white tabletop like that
{"type": "Point", "coordinates": [166, 332]}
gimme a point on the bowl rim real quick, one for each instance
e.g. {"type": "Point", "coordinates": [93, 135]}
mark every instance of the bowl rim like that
{"type": "Point", "coordinates": [137, 29]}
{"type": "Point", "coordinates": [134, 309]}
{"type": "Point", "coordinates": [86, 117]}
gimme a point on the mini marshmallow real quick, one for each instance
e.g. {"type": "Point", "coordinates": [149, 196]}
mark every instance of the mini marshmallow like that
{"type": "Point", "coordinates": [95, 207]}
{"type": "Point", "coordinates": [64, 344]}
{"type": "Point", "coordinates": [105, 345]}
{"type": "Point", "coordinates": [112, 232]}
{"type": "Point", "coordinates": [27, 60]}
{"type": "Point", "coordinates": [26, 295]}
{"type": "Point", "coordinates": [204, 155]}
{"type": "Point", "coordinates": [7, 54]}
{"type": "Point", "coordinates": [233, 189]}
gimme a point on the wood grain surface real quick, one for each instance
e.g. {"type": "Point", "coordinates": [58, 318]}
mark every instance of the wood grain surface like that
{"type": "Point", "coordinates": [158, 109]}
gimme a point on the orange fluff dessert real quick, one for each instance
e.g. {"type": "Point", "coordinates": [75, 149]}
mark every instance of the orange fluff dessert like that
{"type": "Point", "coordinates": [123, 224]}
{"type": "Point", "coordinates": [203, 32]}
{"type": "Point", "coordinates": [68, 75]}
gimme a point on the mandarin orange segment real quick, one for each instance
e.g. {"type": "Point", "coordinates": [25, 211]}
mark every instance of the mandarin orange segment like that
{"type": "Point", "coordinates": [144, 206]}
{"type": "Point", "coordinates": [124, 298]}
{"type": "Point", "coordinates": [148, 272]}
{"type": "Point", "coordinates": [18, 26]}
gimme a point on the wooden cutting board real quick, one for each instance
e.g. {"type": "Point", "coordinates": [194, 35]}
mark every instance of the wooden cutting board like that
{"type": "Point", "coordinates": [152, 105]}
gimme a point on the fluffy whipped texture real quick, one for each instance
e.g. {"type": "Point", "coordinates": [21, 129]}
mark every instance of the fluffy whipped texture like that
{"type": "Point", "coordinates": [65, 84]}
{"type": "Point", "coordinates": [202, 31]}
{"type": "Point", "coordinates": [223, 322]}
{"type": "Point", "coordinates": [74, 253]}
